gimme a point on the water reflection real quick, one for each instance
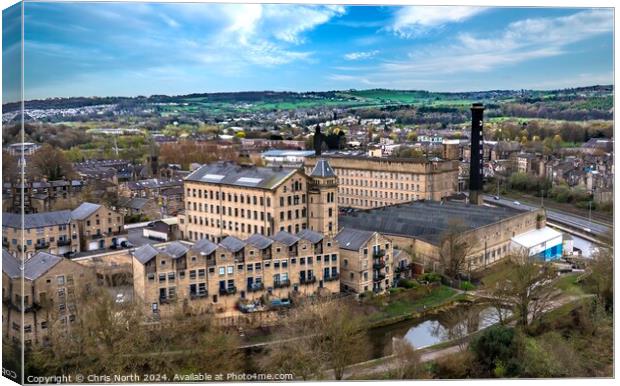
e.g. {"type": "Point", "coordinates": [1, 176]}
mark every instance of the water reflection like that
{"type": "Point", "coordinates": [451, 325]}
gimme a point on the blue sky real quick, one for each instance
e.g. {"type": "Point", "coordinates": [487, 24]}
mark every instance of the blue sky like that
{"type": "Point", "coordinates": [88, 49]}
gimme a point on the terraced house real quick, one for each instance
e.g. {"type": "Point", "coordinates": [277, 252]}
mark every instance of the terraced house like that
{"type": "Point", "coordinates": [53, 232]}
{"type": "Point", "coordinates": [227, 199]}
{"type": "Point", "coordinates": [51, 286]}
{"type": "Point", "coordinates": [99, 227]}
{"type": "Point", "coordinates": [216, 277]}
{"type": "Point", "coordinates": [366, 261]}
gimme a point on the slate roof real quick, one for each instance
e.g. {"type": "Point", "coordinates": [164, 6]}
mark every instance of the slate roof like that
{"type": "Point", "coordinates": [145, 253]}
{"type": "Point", "coordinates": [10, 265]}
{"type": "Point", "coordinates": [39, 264]}
{"type": "Point", "coordinates": [233, 244]}
{"type": "Point", "coordinates": [285, 238]}
{"type": "Point", "coordinates": [259, 241]}
{"type": "Point", "coordinates": [36, 220]}
{"type": "Point", "coordinates": [353, 239]}
{"type": "Point", "coordinates": [204, 246]}
{"type": "Point", "coordinates": [425, 220]}
{"type": "Point", "coordinates": [322, 169]}
{"type": "Point", "coordinates": [136, 203]}
{"type": "Point", "coordinates": [84, 210]}
{"type": "Point", "coordinates": [229, 173]}
{"type": "Point", "coordinates": [310, 235]}
{"type": "Point", "coordinates": [175, 249]}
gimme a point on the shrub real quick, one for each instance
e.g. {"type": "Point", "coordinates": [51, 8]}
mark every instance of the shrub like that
{"type": "Point", "coordinates": [406, 283]}
{"type": "Point", "coordinates": [431, 277]}
{"type": "Point", "coordinates": [467, 286]}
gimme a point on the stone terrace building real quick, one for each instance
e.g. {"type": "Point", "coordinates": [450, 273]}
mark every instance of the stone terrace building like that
{"type": "Point", "coordinates": [226, 199]}
{"type": "Point", "coordinates": [98, 226]}
{"type": "Point", "coordinates": [370, 182]}
{"type": "Point", "coordinates": [51, 284]}
{"type": "Point", "coordinates": [210, 277]}
{"type": "Point", "coordinates": [418, 228]}
{"type": "Point", "coordinates": [53, 232]}
{"type": "Point", "coordinates": [365, 261]}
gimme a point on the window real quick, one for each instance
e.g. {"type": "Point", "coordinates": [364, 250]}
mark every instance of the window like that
{"type": "Point", "coordinates": [192, 274]}
{"type": "Point", "coordinates": [222, 271]}
{"type": "Point", "coordinates": [60, 280]}
{"type": "Point", "coordinates": [162, 277]}
{"type": "Point", "coordinates": [276, 263]}
{"type": "Point", "coordinates": [202, 273]}
{"type": "Point", "coordinates": [170, 275]}
{"type": "Point", "coordinates": [230, 269]}
{"type": "Point", "coordinates": [309, 260]}
{"type": "Point", "coordinates": [334, 257]}
{"type": "Point", "coordinates": [257, 266]}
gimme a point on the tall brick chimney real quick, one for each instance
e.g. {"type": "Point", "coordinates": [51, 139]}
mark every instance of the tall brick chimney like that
{"type": "Point", "coordinates": [476, 163]}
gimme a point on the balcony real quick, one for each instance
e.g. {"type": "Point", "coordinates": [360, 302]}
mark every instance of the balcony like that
{"type": "Point", "coordinates": [378, 254]}
{"type": "Point", "coordinates": [198, 295]}
{"type": "Point", "coordinates": [310, 280]}
{"type": "Point", "coordinates": [379, 265]}
{"type": "Point", "coordinates": [405, 268]}
{"type": "Point", "coordinates": [228, 291]}
{"type": "Point", "coordinates": [41, 246]}
{"type": "Point", "coordinates": [61, 242]}
{"type": "Point", "coordinates": [282, 283]}
{"type": "Point", "coordinates": [379, 277]}
{"type": "Point", "coordinates": [255, 287]}
{"type": "Point", "coordinates": [332, 277]}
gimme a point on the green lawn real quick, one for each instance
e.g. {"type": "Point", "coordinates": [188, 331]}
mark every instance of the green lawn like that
{"type": "Point", "coordinates": [404, 306]}
{"type": "Point", "coordinates": [568, 284]}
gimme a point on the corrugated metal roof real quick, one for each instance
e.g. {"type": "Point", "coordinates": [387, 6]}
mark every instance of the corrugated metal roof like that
{"type": "Point", "coordinates": [353, 239]}
{"type": "Point", "coordinates": [425, 220]}
{"type": "Point", "coordinates": [537, 236]}
{"type": "Point", "coordinates": [228, 173]}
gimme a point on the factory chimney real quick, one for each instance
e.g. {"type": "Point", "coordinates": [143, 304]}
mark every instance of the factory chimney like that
{"type": "Point", "coordinates": [476, 155]}
{"type": "Point", "coordinates": [317, 140]}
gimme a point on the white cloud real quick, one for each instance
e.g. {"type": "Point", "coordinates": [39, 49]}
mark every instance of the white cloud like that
{"type": "Point", "coordinates": [362, 55]}
{"type": "Point", "coordinates": [521, 41]}
{"type": "Point", "coordinates": [412, 21]}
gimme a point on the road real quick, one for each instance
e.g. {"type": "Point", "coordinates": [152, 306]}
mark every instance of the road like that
{"type": "Point", "coordinates": [579, 223]}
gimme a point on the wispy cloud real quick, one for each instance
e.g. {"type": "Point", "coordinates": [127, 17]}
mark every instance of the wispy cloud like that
{"type": "Point", "coordinates": [412, 21]}
{"type": "Point", "coordinates": [521, 41]}
{"type": "Point", "coordinates": [361, 55]}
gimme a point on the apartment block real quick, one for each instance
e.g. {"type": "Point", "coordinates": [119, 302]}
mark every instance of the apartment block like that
{"type": "Point", "coordinates": [218, 277]}
{"type": "Point", "coordinates": [227, 199]}
{"type": "Point", "coordinates": [370, 182]}
{"type": "Point", "coordinates": [51, 285]}
{"type": "Point", "coordinates": [98, 226]}
{"type": "Point", "coordinates": [53, 232]}
{"type": "Point", "coordinates": [366, 261]}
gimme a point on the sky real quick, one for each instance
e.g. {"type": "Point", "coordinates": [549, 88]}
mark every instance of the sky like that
{"type": "Point", "coordinates": [129, 49]}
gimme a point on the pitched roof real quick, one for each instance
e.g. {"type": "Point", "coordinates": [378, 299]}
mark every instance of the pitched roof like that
{"type": "Point", "coordinates": [233, 244]}
{"type": "Point", "coordinates": [36, 220]}
{"type": "Point", "coordinates": [133, 202]}
{"type": "Point", "coordinates": [259, 241]}
{"type": "Point", "coordinates": [228, 173]}
{"type": "Point", "coordinates": [84, 210]}
{"type": "Point", "coordinates": [39, 264]}
{"type": "Point", "coordinates": [204, 246]}
{"type": "Point", "coordinates": [322, 169]}
{"type": "Point", "coordinates": [353, 239]}
{"type": "Point", "coordinates": [10, 265]}
{"type": "Point", "coordinates": [145, 253]}
{"type": "Point", "coordinates": [285, 238]}
{"type": "Point", "coordinates": [175, 249]}
{"type": "Point", "coordinates": [312, 236]}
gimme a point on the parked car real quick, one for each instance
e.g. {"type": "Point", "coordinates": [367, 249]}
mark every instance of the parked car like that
{"type": "Point", "coordinates": [516, 203]}
{"type": "Point", "coordinates": [126, 244]}
{"type": "Point", "coordinates": [496, 197]}
{"type": "Point", "coordinates": [69, 255]}
{"type": "Point", "coordinates": [280, 303]}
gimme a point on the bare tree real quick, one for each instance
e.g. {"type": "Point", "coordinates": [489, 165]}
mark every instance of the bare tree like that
{"type": "Point", "coordinates": [527, 290]}
{"type": "Point", "coordinates": [407, 363]}
{"type": "Point", "coordinates": [319, 334]}
{"type": "Point", "coordinates": [51, 163]}
{"type": "Point", "coordinates": [454, 248]}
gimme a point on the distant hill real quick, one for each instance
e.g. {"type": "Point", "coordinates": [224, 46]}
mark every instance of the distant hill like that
{"type": "Point", "coordinates": [342, 98]}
